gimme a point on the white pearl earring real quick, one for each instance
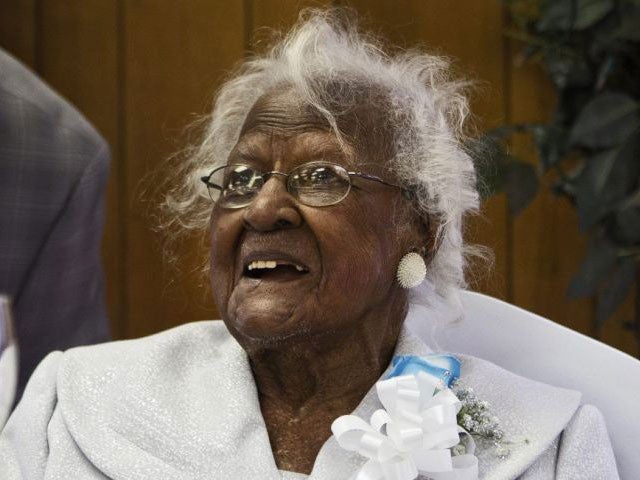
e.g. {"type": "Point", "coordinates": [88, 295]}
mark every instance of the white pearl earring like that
{"type": "Point", "coordinates": [411, 271]}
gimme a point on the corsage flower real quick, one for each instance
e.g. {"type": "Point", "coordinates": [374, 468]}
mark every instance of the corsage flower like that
{"type": "Point", "coordinates": [417, 430]}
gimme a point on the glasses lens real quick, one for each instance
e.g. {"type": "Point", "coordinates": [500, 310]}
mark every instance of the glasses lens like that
{"type": "Point", "coordinates": [239, 184]}
{"type": "Point", "coordinates": [319, 184]}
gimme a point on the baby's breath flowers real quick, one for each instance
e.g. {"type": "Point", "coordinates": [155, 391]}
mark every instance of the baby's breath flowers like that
{"type": "Point", "coordinates": [476, 418]}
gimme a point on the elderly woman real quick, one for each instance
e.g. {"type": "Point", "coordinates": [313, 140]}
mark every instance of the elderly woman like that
{"type": "Point", "coordinates": [339, 187]}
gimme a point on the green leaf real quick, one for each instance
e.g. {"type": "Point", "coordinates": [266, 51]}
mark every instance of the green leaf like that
{"type": "Point", "coordinates": [549, 142]}
{"type": "Point", "coordinates": [568, 70]}
{"type": "Point", "coordinates": [490, 158]}
{"type": "Point", "coordinates": [606, 121]}
{"type": "Point", "coordinates": [521, 186]}
{"type": "Point", "coordinates": [574, 14]}
{"type": "Point", "coordinates": [629, 24]}
{"type": "Point", "coordinates": [606, 180]}
{"type": "Point", "coordinates": [628, 220]}
{"type": "Point", "coordinates": [616, 290]}
{"type": "Point", "coordinates": [628, 225]}
{"type": "Point", "coordinates": [597, 264]}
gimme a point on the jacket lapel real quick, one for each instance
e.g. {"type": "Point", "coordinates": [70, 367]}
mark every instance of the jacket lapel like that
{"type": "Point", "coordinates": [532, 415]}
{"type": "Point", "coordinates": [180, 404]}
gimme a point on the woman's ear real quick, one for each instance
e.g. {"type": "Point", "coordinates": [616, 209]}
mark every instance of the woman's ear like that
{"type": "Point", "coordinates": [423, 236]}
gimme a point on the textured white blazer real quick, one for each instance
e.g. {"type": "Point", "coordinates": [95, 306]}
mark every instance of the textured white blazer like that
{"type": "Point", "coordinates": [183, 404]}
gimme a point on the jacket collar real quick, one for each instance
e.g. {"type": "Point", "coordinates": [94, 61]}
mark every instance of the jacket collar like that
{"type": "Point", "coordinates": [183, 404]}
{"type": "Point", "coordinates": [532, 415]}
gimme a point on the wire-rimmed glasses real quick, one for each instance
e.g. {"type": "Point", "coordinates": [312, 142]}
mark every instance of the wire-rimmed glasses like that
{"type": "Point", "coordinates": [316, 184]}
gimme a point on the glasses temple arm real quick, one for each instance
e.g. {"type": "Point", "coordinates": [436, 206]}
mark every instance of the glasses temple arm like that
{"type": "Point", "coordinates": [374, 178]}
{"type": "Point", "coordinates": [206, 181]}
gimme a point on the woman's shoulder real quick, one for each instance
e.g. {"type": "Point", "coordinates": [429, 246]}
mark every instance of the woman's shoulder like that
{"type": "Point", "coordinates": [166, 394]}
{"type": "Point", "coordinates": [201, 334]}
{"type": "Point", "coordinates": [513, 390]}
{"type": "Point", "coordinates": [111, 371]}
{"type": "Point", "coordinates": [160, 357]}
{"type": "Point", "coordinates": [545, 426]}
{"type": "Point", "coordinates": [174, 347]}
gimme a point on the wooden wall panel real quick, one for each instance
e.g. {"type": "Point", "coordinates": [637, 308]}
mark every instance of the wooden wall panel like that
{"type": "Point", "coordinates": [174, 59]}
{"type": "Point", "coordinates": [547, 247]}
{"type": "Point", "coordinates": [79, 58]}
{"type": "Point", "coordinates": [546, 244]}
{"type": "Point", "coordinates": [18, 29]}
{"type": "Point", "coordinates": [475, 43]}
{"type": "Point", "coordinates": [266, 16]}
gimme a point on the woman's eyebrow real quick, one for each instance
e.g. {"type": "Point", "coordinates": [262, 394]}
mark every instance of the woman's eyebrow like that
{"type": "Point", "coordinates": [322, 150]}
{"type": "Point", "coordinates": [248, 153]}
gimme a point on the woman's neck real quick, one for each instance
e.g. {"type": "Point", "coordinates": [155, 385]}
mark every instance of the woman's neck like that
{"type": "Point", "coordinates": [305, 384]}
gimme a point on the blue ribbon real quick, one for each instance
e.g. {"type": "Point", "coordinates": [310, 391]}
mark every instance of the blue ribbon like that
{"type": "Point", "coordinates": [443, 367]}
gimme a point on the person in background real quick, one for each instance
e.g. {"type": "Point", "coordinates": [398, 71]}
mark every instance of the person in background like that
{"type": "Point", "coordinates": [53, 173]}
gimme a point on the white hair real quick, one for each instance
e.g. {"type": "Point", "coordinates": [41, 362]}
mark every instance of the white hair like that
{"type": "Point", "coordinates": [424, 108]}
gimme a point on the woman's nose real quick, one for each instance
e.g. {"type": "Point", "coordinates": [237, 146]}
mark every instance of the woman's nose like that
{"type": "Point", "coordinates": [272, 208]}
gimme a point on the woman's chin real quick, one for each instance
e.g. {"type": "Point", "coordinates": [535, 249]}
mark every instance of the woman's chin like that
{"type": "Point", "coordinates": [265, 325]}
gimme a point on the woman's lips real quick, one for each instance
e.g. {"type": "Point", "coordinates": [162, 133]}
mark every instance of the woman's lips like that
{"type": "Point", "coordinates": [273, 266]}
{"type": "Point", "coordinates": [281, 273]}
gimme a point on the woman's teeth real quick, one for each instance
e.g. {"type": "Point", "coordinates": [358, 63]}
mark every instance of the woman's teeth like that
{"type": "Point", "coordinates": [271, 264]}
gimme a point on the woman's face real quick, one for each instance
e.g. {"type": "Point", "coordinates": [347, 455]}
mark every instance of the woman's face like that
{"type": "Point", "coordinates": [348, 252]}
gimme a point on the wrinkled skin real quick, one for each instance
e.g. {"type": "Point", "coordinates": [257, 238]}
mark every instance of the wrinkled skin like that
{"type": "Point", "coordinates": [317, 342]}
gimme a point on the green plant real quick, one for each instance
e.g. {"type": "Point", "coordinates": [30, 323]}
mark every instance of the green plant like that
{"type": "Point", "coordinates": [589, 150]}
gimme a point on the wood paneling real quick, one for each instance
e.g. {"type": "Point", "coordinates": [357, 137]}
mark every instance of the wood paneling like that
{"type": "Point", "coordinates": [546, 244]}
{"type": "Point", "coordinates": [264, 17]}
{"type": "Point", "coordinates": [141, 70]}
{"type": "Point", "coordinates": [174, 59]}
{"type": "Point", "coordinates": [18, 29]}
{"type": "Point", "coordinates": [79, 59]}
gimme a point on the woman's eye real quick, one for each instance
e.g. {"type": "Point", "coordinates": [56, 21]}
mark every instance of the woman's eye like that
{"type": "Point", "coordinates": [237, 179]}
{"type": "Point", "coordinates": [321, 176]}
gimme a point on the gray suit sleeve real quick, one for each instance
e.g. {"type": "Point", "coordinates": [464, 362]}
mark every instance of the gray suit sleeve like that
{"type": "Point", "coordinates": [585, 451]}
{"type": "Point", "coordinates": [61, 303]}
{"type": "Point", "coordinates": [24, 447]}
{"type": "Point", "coordinates": [53, 172]}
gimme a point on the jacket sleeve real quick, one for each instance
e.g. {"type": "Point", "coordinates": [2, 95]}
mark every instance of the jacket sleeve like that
{"type": "Point", "coordinates": [24, 446]}
{"type": "Point", "coordinates": [54, 168]}
{"type": "Point", "coordinates": [585, 450]}
{"type": "Point", "coordinates": [61, 304]}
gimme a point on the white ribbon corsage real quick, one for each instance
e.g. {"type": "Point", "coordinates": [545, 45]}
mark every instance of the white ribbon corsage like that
{"type": "Point", "coordinates": [417, 432]}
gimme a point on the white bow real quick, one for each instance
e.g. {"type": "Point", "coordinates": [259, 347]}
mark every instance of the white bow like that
{"type": "Point", "coordinates": [412, 436]}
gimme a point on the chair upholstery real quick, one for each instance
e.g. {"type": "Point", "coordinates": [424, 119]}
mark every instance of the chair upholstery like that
{"type": "Point", "coordinates": [540, 349]}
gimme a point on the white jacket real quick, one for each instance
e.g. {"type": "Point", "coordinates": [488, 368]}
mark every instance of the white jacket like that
{"type": "Point", "coordinates": [182, 404]}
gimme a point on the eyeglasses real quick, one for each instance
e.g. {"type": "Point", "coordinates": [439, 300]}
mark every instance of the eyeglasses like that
{"type": "Point", "coordinates": [316, 184]}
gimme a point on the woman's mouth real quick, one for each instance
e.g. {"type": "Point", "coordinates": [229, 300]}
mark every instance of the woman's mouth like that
{"type": "Point", "coordinates": [276, 270]}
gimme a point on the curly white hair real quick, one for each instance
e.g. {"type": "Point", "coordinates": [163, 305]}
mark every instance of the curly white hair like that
{"type": "Point", "coordinates": [424, 107]}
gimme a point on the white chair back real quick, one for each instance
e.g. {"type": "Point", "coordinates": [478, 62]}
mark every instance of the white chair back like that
{"type": "Point", "coordinates": [542, 350]}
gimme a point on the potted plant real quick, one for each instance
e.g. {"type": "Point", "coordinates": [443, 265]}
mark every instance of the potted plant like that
{"type": "Point", "coordinates": [589, 149]}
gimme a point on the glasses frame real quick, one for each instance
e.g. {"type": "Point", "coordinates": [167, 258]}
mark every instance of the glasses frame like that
{"type": "Point", "coordinates": [266, 175]}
